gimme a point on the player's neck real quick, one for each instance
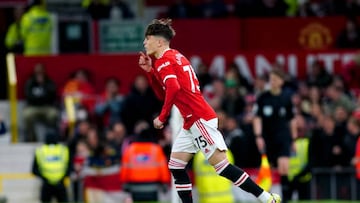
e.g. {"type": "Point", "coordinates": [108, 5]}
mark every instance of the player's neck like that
{"type": "Point", "coordinates": [276, 91]}
{"type": "Point", "coordinates": [161, 51]}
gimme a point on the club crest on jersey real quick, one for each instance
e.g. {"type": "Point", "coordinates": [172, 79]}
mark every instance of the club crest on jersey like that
{"type": "Point", "coordinates": [163, 65]}
{"type": "Point", "coordinates": [178, 58]}
{"type": "Point", "coordinates": [268, 110]}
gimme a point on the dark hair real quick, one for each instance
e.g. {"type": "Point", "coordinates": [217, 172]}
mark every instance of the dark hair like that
{"type": "Point", "coordinates": [278, 72]}
{"type": "Point", "coordinates": [161, 28]}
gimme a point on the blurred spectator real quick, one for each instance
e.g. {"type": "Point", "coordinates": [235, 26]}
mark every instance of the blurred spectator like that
{"type": "Point", "coordinates": [234, 73]}
{"type": "Point", "coordinates": [349, 37]}
{"type": "Point", "coordinates": [51, 164]}
{"type": "Point", "coordinates": [260, 84]}
{"type": "Point", "coordinates": [140, 104]}
{"type": "Point", "coordinates": [79, 160]}
{"type": "Point", "coordinates": [329, 145]}
{"type": "Point", "coordinates": [351, 73]}
{"type": "Point", "coordinates": [213, 9]}
{"type": "Point", "coordinates": [80, 88]}
{"type": "Point", "coordinates": [81, 130]}
{"type": "Point", "coordinates": [203, 76]}
{"type": "Point", "coordinates": [180, 9]}
{"type": "Point", "coordinates": [79, 153]}
{"type": "Point", "coordinates": [240, 143]}
{"type": "Point", "coordinates": [110, 106]}
{"type": "Point", "coordinates": [318, 75]}
{"type": "Point", "coordinates": [336, 97]}
{"type": "Point", "coordinates": [314, 94]}
{"type": "Point", "coordinates": [214, 93]}
{"type": "Point", "coordinates": [341, 116]}
{"type": "Point", "coordinates": [247, 118]}
{"type": "Point", "coordinates": [144, 168]}
{"type": "Point", "coordinates": [2, 126]}
{"type": "Point", "coordinates": [115, 137]}
{"type": "Point", "coordinates": [120, 9]}
{"type": "Point", "coordinates": [13, 40]}
{"type": "Point", "coordinates": [299, 168]}
{"type": "Point", "coordinates": [97, 9]}
{"type": "Point", "coordinates": [40, 96]}
{"type": "Point", "coordinates": [36, 29]}
{"type": "Point", "coordinates": [270, 8]}
{"type": "Point", "coordinates": [101, 153]}
{"type": "Point", "coordinates": [232, 102]}
{"type": "Point", "coordinates": [350, 139]}
{"type": "Point", "coordinates": [318, 8]}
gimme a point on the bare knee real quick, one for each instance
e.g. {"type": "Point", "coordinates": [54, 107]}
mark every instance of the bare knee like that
{"type": "Point", "coordinates": [217, 157]}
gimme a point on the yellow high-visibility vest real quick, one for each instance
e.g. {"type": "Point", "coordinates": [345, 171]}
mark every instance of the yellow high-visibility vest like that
{"type": "Point", "coordinates": [299, 160]}
{"type": "Point", "coordinates": [13, 35]}
{"type": "Point", "coordinates": [212, 188]}
{"type": "Point", "coordinates": [53, 162]}
{"type": "Point", "coordinates": [36, 31]}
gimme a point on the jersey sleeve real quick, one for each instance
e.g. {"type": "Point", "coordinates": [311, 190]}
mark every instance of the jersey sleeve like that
{"type": "Point", "coordinates": [169, 78]}
{"type": "Point", "coordinates": [156, 85]}
{"type": "Point", "coordinates": [258, 106]}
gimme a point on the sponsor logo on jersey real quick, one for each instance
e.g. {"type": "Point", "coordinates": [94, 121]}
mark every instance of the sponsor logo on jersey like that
{"type": "Point", "coordinates": [163, 65]}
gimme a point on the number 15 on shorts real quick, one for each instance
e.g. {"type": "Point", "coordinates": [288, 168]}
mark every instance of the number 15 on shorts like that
{"type": "Point", "coordinates": [201, 142]}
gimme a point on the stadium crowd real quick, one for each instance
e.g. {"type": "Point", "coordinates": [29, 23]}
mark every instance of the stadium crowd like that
{"type": "Point", "coordinates": [326, 108]}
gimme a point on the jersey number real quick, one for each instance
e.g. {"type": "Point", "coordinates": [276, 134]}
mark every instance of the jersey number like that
{"type": "Point", "coordinates": [201, 143]}
{"type": "Point", "coordinates": [192, 77]}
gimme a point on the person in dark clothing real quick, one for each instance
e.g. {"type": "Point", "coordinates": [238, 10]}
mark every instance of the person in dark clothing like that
{"type": "Point", "coordinates": [275, 128]}
{"type": "Point", "coordinates": [349, 37]}
{"type": "Point", "coordinates": [180, 9]}
{"type": "Point", "coordinates": [140, 104]}
{"type": "Point", "coordinates": [51, 165]}
{"type": "Point", "coordinates": [40, 96]}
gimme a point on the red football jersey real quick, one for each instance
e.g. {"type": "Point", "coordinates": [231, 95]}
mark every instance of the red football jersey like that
{"type": "Point", "coordinates": [174, 80]}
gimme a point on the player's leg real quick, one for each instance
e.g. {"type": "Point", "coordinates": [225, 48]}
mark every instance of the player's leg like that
{"type": "Point", "coordinates": [283, 169]}
{"type": "Point", "coordinates": [215, 151]}
{"type": "Point", "coordinates": [282, 154]}
{"type": "Point", "coordinates": [181, 153]}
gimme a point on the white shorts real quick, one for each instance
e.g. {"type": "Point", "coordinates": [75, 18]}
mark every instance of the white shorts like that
{"type": "Point", "coordinates": [203, 135]}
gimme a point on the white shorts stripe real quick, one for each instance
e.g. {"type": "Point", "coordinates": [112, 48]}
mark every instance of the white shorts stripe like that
{"type": "Point", "coordinates": [204, 132]}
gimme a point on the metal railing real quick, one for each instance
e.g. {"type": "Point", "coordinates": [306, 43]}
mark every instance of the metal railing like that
{"type": "Point", "coordinates": [335, 183]}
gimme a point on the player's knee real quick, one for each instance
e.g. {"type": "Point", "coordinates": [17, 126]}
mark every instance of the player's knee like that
{"type": "Point", "coordinates": [177, 169]}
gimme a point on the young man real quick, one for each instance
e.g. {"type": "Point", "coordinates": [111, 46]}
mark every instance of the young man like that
{"type": "Point", "coordinates": [173, 79]}
{"type": "Point", "coordinates": [274, 127]}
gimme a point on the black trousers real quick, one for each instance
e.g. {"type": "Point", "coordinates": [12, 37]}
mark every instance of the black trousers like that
{"type": "Point", "coordinates": [49, 191]}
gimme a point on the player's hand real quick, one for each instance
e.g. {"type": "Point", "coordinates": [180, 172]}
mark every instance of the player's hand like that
{"type": "Point", "coordinates": [158, 124]}
{"type": "Point", "coordinates": [145, 62]}
{"type": "Point", "coordinates": [260, 143]}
